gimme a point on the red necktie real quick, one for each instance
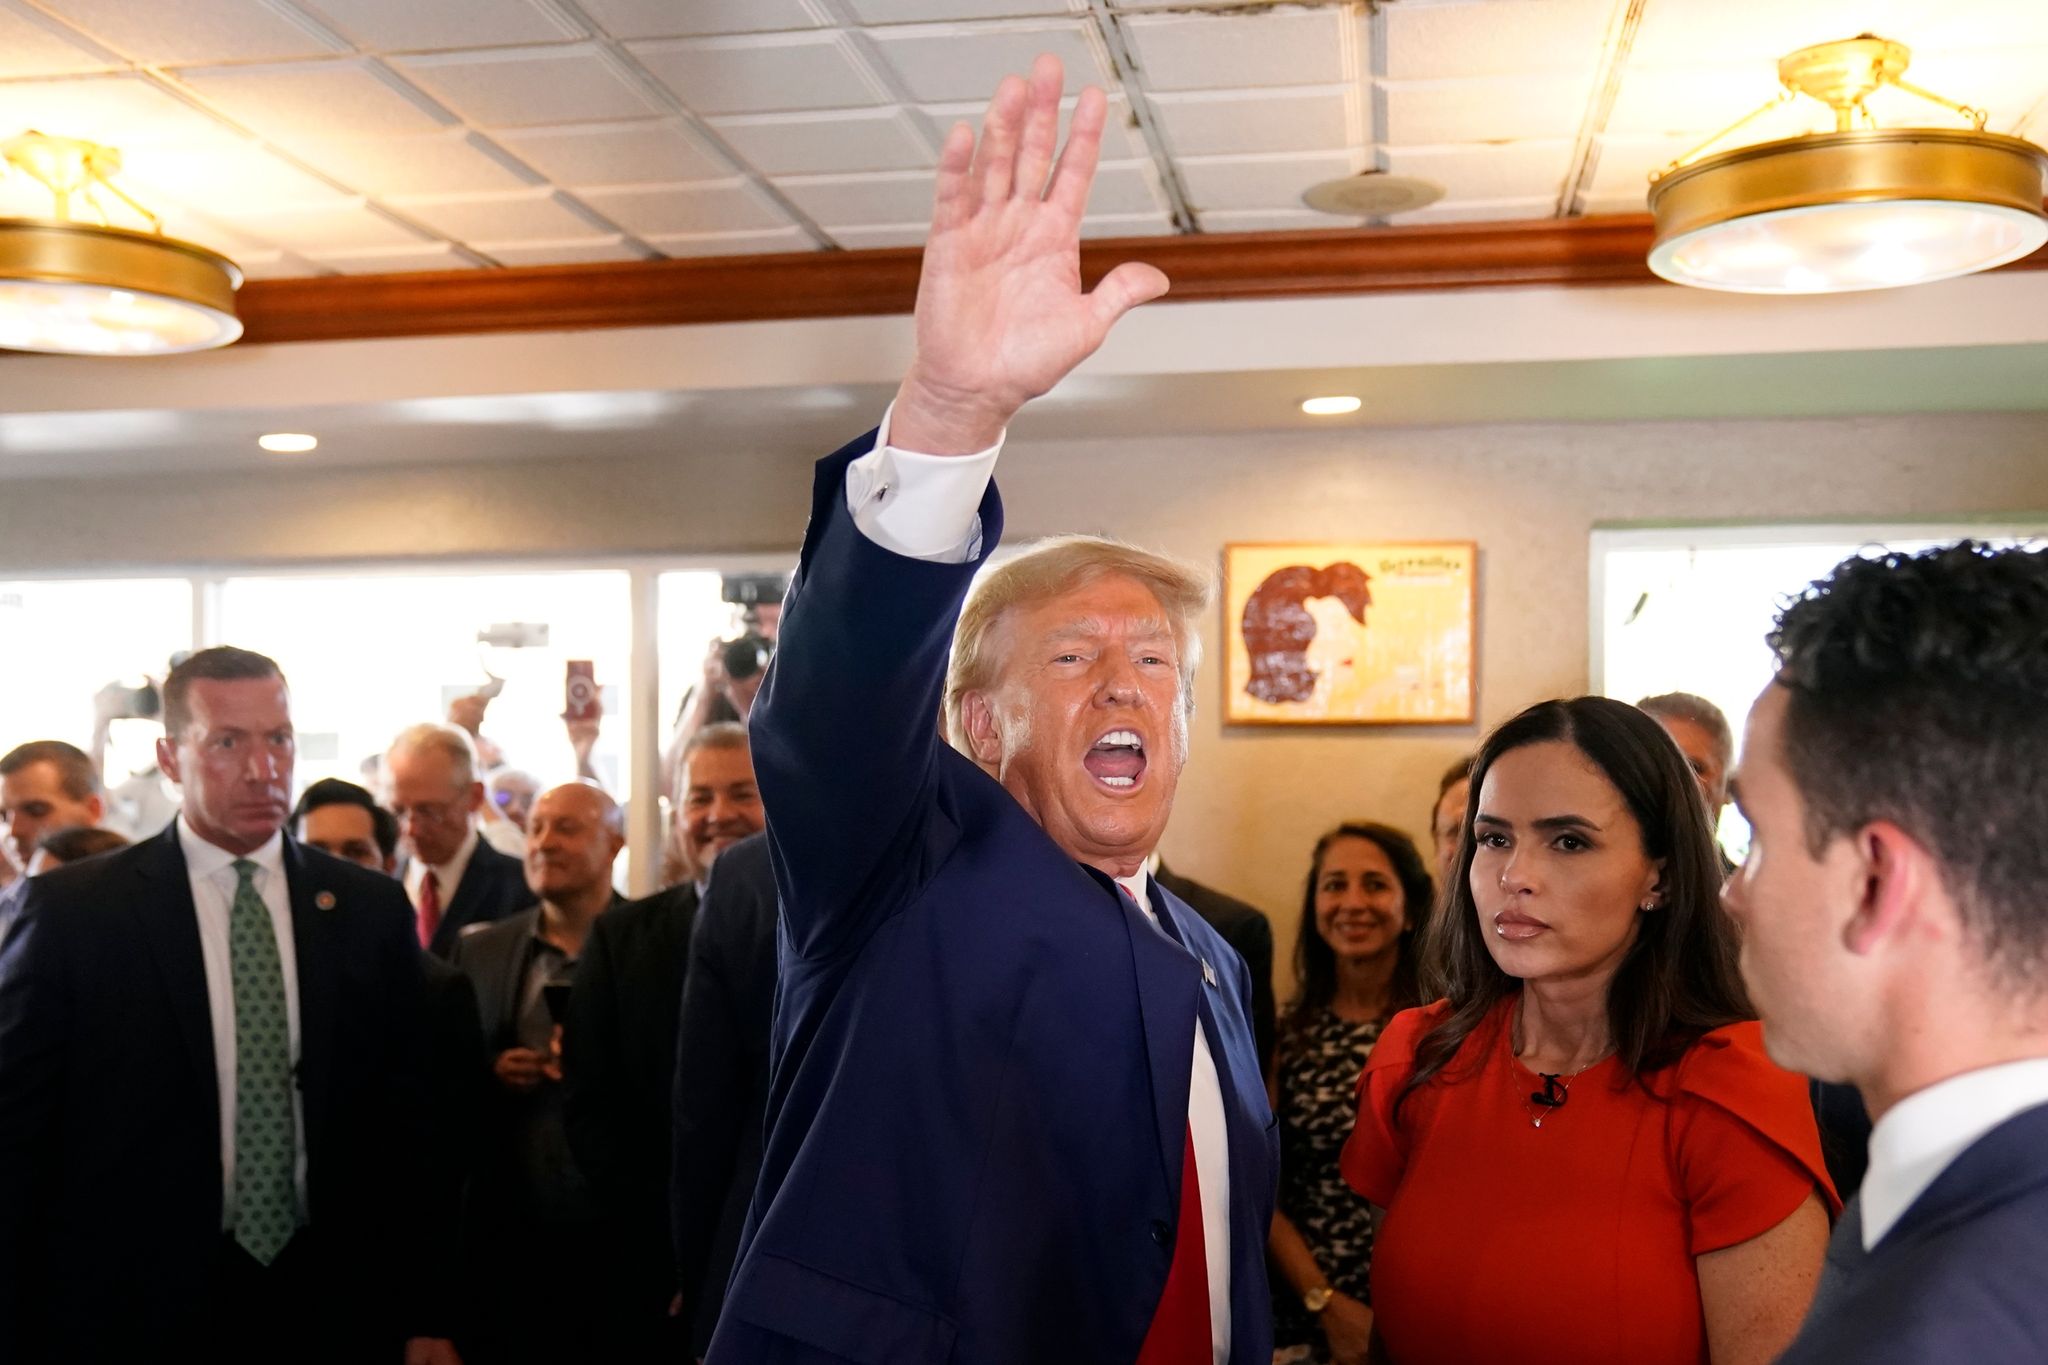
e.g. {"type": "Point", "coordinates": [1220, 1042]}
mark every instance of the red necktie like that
{"type": "Point", "coordinates": [430, 909]}
{"type": "Point", "coordinates": [1179, 1334]}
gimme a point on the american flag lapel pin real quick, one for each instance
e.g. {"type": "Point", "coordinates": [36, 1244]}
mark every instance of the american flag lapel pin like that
{"type": "Point", "coordinates": [325, 901]}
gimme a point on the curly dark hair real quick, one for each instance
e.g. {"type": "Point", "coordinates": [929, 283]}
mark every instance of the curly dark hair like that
{"type": "Point", "coordinates": [1315, 966]}
{"type": "Point", "coordinates": [1919, 696]}
{"type": "Point", "coordinates": [1679, 979]}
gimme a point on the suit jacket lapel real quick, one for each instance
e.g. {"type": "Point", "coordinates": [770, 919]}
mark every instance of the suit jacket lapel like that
{"type": "Point", "coordinates": [1169, 984]}
{"type": "Point", "coordinates": [316, 953]}
{"type": "Point", "coordinates": [169, 924]}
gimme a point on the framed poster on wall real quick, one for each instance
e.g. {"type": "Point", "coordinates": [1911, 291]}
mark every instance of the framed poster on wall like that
{"type": "Point", "coordinates": [1376, 633]}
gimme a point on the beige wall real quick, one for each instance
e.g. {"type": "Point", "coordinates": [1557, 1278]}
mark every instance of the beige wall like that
{"type": "Point", "coordinates": [1253, 801]}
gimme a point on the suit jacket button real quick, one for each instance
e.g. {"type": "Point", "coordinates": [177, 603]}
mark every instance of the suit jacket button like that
{"type": "Point", "coordinates": [1160, 1232]}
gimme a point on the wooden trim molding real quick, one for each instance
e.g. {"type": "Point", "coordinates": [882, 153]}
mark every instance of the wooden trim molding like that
{"type": "Point", "coordinates": [824, 284]}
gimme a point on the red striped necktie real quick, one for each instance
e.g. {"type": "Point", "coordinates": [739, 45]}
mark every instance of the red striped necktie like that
{"type": "Point", "coordinates": [1179, 1334]}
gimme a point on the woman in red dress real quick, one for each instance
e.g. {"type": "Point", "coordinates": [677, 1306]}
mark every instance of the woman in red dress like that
{"type": "Point", "coordinates": [1583, 1153]}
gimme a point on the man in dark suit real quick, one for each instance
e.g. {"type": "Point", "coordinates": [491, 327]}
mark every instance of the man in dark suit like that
{"type": "Point", "coordinates": [721, 1078]}
{"type": "Point", "coordinates": [1894, 926]}
{"type": "Point", "coordinates": [210, 1104]}
{"type": "Point", "coordinates": [532, 1205]}
{"type": "Point", "coordinates": [454, 878]}
{"type": "Point", "coordinates": [1016, 1112]}
{"type": "Point", "coordinates": [1245, 928]}
{"type": "Point", "coordinates": [619, 1047]}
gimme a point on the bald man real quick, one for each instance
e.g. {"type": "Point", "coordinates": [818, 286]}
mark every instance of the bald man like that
{"type": "Point", "coordinates": [533, 1220]}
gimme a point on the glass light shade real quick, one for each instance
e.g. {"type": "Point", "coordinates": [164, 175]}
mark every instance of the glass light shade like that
{"type": "Point", "coordinates": [1866, 209]}
{"type": "Point", "coordinates": [75, 289]}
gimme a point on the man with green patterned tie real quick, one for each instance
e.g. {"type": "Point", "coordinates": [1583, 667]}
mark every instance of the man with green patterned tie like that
{"type": "Point", "coordinates": [212, 1119]}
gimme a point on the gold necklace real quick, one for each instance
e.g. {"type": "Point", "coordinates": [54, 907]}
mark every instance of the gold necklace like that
{"type": "Point", "coordinates": [1557, 1085]}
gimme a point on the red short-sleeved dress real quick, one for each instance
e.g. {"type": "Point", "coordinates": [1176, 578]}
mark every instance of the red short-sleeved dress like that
{"type": "Point", "coordinates": [1573, 1242]}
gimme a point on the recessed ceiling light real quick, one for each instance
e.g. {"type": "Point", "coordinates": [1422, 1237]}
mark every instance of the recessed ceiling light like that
{"type": "Point", "coordinates": [1335, 405]}
{"type": "Point", "coordinates": [288, 442]}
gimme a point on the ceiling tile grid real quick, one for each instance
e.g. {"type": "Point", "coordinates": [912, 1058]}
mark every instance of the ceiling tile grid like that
{"type": "Point", "coordinates": [346, 135]}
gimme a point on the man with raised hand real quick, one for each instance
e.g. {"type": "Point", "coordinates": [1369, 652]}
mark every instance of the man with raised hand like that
{"type": "Point", "coordinates": [1016, 1114]}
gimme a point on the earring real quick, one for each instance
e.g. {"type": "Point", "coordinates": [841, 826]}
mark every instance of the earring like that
{"type": "Point", "coordinates": [1650, 904]}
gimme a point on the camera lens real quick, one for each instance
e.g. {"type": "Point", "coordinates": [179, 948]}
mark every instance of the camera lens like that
{"type": "Point", "coordinates": [746, 656]}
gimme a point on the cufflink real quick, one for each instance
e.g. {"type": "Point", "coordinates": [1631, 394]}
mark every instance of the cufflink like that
{"type": "Point", "coordinates": [325, 900]}
{"type": "Point", "coordinates": [1208, 972]}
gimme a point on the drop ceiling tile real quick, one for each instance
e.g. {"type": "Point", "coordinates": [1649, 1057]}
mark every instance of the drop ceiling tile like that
{"type": "Point", "coordinates": [334, 99]}
{"type": "Point", "coordinates": [1512, 170]}
{"type": "Point", "coordinates": [194, 31]}
{"type": "Point", "coordinates": [906, 197]}
{"type": "Point", "coordinates": [1264, 182]}
{"type": "Point", "coordinates": [645, 153]}
{"type": "Point", "coordinates": [1229, 52]}
{"type": "Point", "coordinates": [693, 18]}
{"type": "Point", "coordinates": [945, 11]}
{"type": "Point", "coordinates": [1269, 220]}
{"type": "Point", "coordinates": [776, 242]}
{"type": "Point", "coordinates": [2006, 83]}
{"type": "Point", "coordinates": [228, 179]}
{"type": "Point", "coordinates": [1234, 122]}
{"type": "Point", "coordinates": [1479, 211]}
{"type": "Point", "coordinates": [352, 227]}
{"type": "Point", "coordinates": [538, 215]}
{"type": "Point", "coordinates": [575, 251]}
{"type": "Point", "coordinates": [452, 162]}
{"type": "Point", "coordinates": [1625, 164]}
{"type": "Point", "coordinates": [274, 265]}
{"type": "Point", "coordinates": [880, 235]}
{"type": "Point", "coordinates": [32, 46]}
{"type": "Point", "coordinates": [1611, 205]}
{"type": "Point", "coordinates": [1120, 138]}
{"type": "Point", "coordinates": [121, 111]}
{"type": "Point", "coordinates": [1464, 41]}
{"type": "Point", "coordinates": [1758, 32]}
{"type": "Point", "coordinates": [1656, 102]}
{"type": "Point", "coordinates": [761, 75]}
{"type": "Point", "coordinates": [1432, 113]}
{"type": "Point", "coordinates": [1109, 225]}
{"type": "Point", "coordinates": [840, 141]}
{"type": "Point", "coordinates": [524, 87]}
{"type": "Point", "coordinates": [436, 256]}
{"type": "Point", "coordinates": [649, 211]}
{"type": "Point", "coordinates": [967, 61]}
{"type": "Point", "coordinates": [425, 25]}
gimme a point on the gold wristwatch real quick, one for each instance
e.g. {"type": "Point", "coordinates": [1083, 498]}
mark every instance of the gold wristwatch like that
{"type": "Point", "coordinates": [1317, 1299]}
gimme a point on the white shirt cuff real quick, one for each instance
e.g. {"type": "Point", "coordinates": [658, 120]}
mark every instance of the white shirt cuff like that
{"type": "Point", "coordinates": [920, 506]}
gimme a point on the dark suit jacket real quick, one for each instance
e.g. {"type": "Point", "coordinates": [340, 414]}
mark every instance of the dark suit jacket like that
{"type": "Point", "coordinates": [492, 887]}
{"type": "Point", "coordinates": [1245, 928]}
{"type": "Point", "coordinates": [979, 1099]}
{"type": "Point", "coordinates": [618, 1068]}
{"type": "Point", "coordinates": [110, 1173]}
{"type": "Point", "coordinates": [1958, 1278]}
{"type": "Point", "coordinates": [721, 1078]}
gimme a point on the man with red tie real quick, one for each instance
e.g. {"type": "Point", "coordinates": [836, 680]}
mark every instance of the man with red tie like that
{"type": "Point", "coordinates": [1015, 1113]}
{"type": "Point", "coordinates": [454, 878]}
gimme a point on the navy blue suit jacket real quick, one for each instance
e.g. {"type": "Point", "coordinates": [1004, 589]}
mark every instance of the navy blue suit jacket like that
{"type": "Point", "coordinates": [979, 1100]}
{"type": "Point", "coordinates": [110, 1172]}
{"type": "Point", "coordinates": [1959, 1278]}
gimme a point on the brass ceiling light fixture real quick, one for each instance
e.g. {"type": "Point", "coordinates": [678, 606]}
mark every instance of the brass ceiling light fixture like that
{"type": "Point", "coordinates": [88, 288]}
{"type": "Point", "coordinates": [1859, 207]}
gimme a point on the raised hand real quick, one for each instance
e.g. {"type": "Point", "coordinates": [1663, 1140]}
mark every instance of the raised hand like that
{"type": "Point", "coordinates": [1001, 316]}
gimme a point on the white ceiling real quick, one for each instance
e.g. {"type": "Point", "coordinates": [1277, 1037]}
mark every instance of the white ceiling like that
{"type": "Point", "coordinates": [309, 137]}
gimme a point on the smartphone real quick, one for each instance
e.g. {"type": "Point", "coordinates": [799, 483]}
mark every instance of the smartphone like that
{"type": "Point", "coordinates": [580, 698]}
{"type": "Point", "coordinates": [556, 996]}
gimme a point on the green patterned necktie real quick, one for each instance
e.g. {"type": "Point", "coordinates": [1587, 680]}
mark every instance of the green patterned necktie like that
{"type": "Point", "coordinates": [266, 1199]}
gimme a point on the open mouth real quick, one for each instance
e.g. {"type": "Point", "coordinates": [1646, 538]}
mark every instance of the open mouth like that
{"type": "Point", "coordinates": [1117, 760]}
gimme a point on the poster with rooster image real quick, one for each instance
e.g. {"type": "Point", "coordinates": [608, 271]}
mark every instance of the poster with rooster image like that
{"type": "Point", "coordinates": [1366, 634]}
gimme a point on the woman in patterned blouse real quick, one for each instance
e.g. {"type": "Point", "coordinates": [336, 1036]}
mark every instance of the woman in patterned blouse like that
{"type": "Point", "coordinates": [1368, 895]}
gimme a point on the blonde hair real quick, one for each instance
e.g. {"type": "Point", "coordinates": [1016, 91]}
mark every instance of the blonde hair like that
{"type": "Point", "coordinates": [432, 737]}
{"type": "Point", "coordinates": [1048, 570]}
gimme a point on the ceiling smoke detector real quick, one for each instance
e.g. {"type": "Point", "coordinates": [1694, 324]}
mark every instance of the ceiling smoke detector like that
{"type": "Point", "coordinates": [1372, 194]}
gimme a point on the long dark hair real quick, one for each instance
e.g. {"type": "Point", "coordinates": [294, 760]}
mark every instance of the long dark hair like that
{"type": "Point", "coordinates": [1315, 965]}
{"type": "Point", "coordinates": [1679, 978]}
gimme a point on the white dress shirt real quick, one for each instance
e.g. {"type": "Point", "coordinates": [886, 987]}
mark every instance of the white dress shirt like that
{"type": "Point", "coordinates": [929, 507]}
{"type": "Point", "coordinates": [1920, 1135]}
{"type": "Point", "coordinates": [212, 872]}
{"type": "Point", "coordinates": [447, 876]}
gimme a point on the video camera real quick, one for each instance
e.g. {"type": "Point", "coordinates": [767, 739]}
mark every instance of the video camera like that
{"type": "Point", "coordinates": [749, 654]}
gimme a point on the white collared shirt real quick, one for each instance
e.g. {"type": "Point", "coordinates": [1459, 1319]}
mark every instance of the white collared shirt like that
{"type": "Point", "coordinates": [1212, 1150]}
{"type": "Point", "coordinates": [447, 876]}
{"type": "Point", "coordinates": [212, 873]}
{"type": "Point", "coordinates": [1920, 1135]}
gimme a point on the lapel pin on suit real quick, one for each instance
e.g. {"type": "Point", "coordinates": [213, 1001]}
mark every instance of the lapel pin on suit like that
{"type": "Point", "coordinates": [1208, 972]}
{"type": "Point", "coordinates": [325, 901]}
